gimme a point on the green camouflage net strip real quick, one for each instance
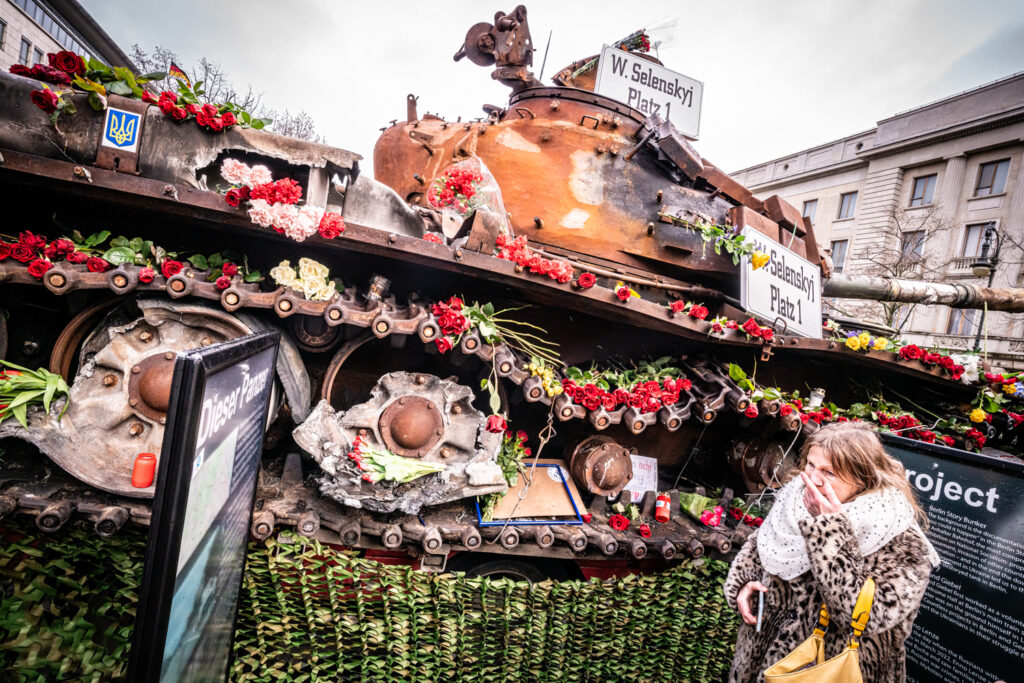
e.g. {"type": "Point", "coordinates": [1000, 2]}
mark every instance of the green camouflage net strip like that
{"type": "Point", "coordinates": [312, 613]}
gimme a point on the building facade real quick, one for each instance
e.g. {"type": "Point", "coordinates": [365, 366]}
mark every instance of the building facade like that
{"type": "Point", "coordinates": [29, 29]}
{"type": "Point", "coordinates": [932, 193]}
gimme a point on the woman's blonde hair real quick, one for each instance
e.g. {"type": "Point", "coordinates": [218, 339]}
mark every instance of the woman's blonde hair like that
{"type": "Point", "coordinates": [857, 456]}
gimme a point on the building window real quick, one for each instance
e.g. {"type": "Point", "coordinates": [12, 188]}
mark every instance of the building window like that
{"type": "Point", "coordinates": [26, 50]}
{"type": "Point", "coordinates": [847, 203]}
{"type": "Point", "coordinates": [913, 245]}
{"type": "Point", "coordinates": [992, 178]}
{"type": "Point", "coordinates": [839, 248]}
{"type": "Point", "coordinates": [973, 235]}
{"type": "Point", "coordinates": [924, 189]}
{"type": "Point", "coordinates": [37, 56]}
{"type": "Point", "coordinates": [810, 206]}
{"type": "Point", "coordinates": [3, 33]}
{"type": "Point", "coordinates": [962, 321]}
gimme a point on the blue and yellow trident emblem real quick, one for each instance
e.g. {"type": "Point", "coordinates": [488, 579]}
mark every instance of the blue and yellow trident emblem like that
{"type": "Point", "coordinates": [121, 129]}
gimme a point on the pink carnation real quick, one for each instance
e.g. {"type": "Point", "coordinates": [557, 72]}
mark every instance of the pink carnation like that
{"type": "Point", "coordinates": [261, 213]}
{"type": "Point", "coordinates": [285, 217]}
{"type": "Point", "coordinates": [259, 175]}
{"type": "Point", "coordinates": [235, 172]}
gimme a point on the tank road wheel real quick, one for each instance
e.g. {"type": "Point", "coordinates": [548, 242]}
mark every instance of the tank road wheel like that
{"type": "Point", "coordinates": [121, 392]}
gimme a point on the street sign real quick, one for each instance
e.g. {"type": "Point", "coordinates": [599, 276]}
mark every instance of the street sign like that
{"type": "Point", "coordinates": [650, 88]}
{"type": "Point", "coordinates": [788, 288]}
{"type": "Point", "coordinates": [202, 510]}
{"type": "Point", "coordinates": [970, 626]}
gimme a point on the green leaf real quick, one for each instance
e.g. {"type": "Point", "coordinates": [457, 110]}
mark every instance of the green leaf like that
{"type": "Point", "coordinates": [574, 373]}
{"type": "Point", "coordinates": [97, 238]}
{"type": "Point", "coordinates": [51, 388]}
{"type": "Point", "coordinates": [119, 241]}
{"type": "Point", "coordinates": [20, 412]}
{"type": "Point", "coordinates": [215, 260]}
{"type": "Point", "coordinates": [495, 402]}
{"type": "Point", "coordinates": [258, 124]}
{"type": "Point", "coordinates": [246, 117]}
{"type": "Point", "coordinates": [488, 309]}
{"type": "Point", "coordinates": [119, 255]}
{"type": "Point", "coordinates": [97, 102]}
{"type": "Point", "coordinates": [97, 65]}
{"type": "Point", "coordinates": [736, 372]}
{"type": "Point", "coordinates": [151, 76]}
{"type": "Point", "coordinates": [746, 384]}
{"type": "Point", "coordinates": [253, 276]}
{"type": "Point", "coordinates": [125, 75]}
{"type": "Point", "coordinates": [119, 88]}
{"type": "Point", "coordinates": [772, 394]}
{"type": "Point", "coordinates": [199, 261]}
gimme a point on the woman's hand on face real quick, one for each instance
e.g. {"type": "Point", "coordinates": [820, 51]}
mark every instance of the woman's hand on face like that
{"type": "Point", "coordinates": [816, 503]}
{"type": "Point", "coordinates": [743, 601]}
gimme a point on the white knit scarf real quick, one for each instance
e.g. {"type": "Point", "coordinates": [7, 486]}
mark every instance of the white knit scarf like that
{"type": "Point", "coordinates": [876, 518]}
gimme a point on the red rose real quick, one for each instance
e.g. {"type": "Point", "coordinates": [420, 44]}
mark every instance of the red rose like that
{"type": "Point", "coordinates": [236, 195]}
{"type": "Point", "coordinates": [209, 110]}
{"type": "Point", "coordinates": [592, 402]}
{"type": "Point", "coordinates": [767, 333]}
{"type": "Point", "coordinates": [77, 257]}
{"type": "Point", "coordinates": [455, 303]}
{"type": "Point", "coordinates": [62, 247]}
{"type": "Point", "coordinates": [621, 395]}
{"type": "Point", "coordinates": [698, 312]}
{"type": "Point", "coordinates": [21, 70]}
{"type": "Point", "coordinates": [228, 119]}
{"type": "Point", "coordinates": [22, 253]}
{"type": "Point", "coordinates": [179, 114]}
{"type": "Point", "coordinates": [622, 293]}
{"type": "Point", "coordinates": [149, 97]}
{"type": "Point", "coordinates": [751, 411]}
{"type": "Point", "coordinates": [332, 225]}
{"type": "Point", "coordinates": [677, 306]}
{"type": "Point", "coordinates": [587, 517]}
{"type": "Point", "coordinates": [45, 99]}
{"type": "Point", "coordinates": [586, 280]}
{"type": "Point", "coordinates": [444, 344]}
{"type": "Point", "coordinates": [804, 417]}
{"type": "Point", "coordinates": [5, 251]}
{"type": "Point", "coordinates": [32, 241]}
{"type": "Point", "coordinates": [38, 268]}
{"type": "Point", "coordinates": [192, 109]}
{"type": "Point", "coordinates": [223, 282]}
{"type": "Point", "coordinates": [591, 390]}
{"type": "Point", "coordinates": [50, 75]}
{"type": "Point", "coordinates": [751, 327]}
{"type": "Point", "coordinates": [146, 275]}
{"type": "Point", "coordinates": [216, 124]}
{"type": "Point", "coordinates": [496, 424]}
{"type": "Point", "coordinates": [229, 269]}
{"type": "Point", "coordinates": [958, 371]}
{"type": "Point", "coordinates": [948, 440]}
{"type": "Point", "coordinates": [203, 119]}
{"type": "Point", "coordinates": [96, 265]}
{"type": "Point", "coordinates": [608, 401]}
{"type": "Point", "coordinates": [645, 530]}
{"type": "Point", "coordinates": [670, 398]}
{"type": "Point", "coordinates": [432, 237]}
{"type": "Point", "coordinates": [684, 385]}
{"type": "Point", "coordinates": [170, 267]}
{"type": "Point", "coordinates": [68, 62]}
{"type": "Point", "coordinates": [947, 362]}
{"type": "Point", "coordinates": [167, 107]}
{"type": "Point", "coordinates": [618, 522]}
{"type": "Point", "coordinates": [169, 96]}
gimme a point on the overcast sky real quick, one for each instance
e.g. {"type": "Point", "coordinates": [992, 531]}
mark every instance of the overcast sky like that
{"type": "Point", "coordinates": [778, 76]}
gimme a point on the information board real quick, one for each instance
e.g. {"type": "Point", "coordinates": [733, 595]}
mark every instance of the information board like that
{"type": "Point", "coordinates": [202, 510]}
{"type": "Point", "coordinates": [650, 88]}
{"type": "Point", "coordinates": [971, 624]}
{"type": "Point", "coordinates": [788, 288]}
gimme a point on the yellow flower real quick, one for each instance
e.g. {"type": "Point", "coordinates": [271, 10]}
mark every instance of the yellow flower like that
{"type": "Point", "coordinates": [977, 415]}
{"type": "Point", "coordinates": [759, 259]}
{"type": "Point", "coordinates": [865, 339]}
{"type": "Point", "coordinates": [880, 344]}
{"type": "Point", "coordinates": [1009, 388]}
{"type": "Point", "coordinates": [853, 343]}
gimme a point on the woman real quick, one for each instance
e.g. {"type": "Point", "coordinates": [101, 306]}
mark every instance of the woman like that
{"type": "Point", "coordinates": [849, 515]}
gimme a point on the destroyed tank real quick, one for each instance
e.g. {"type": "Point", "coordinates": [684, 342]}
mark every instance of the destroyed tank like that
{"type": "Point", "coordinates": [562, 275]}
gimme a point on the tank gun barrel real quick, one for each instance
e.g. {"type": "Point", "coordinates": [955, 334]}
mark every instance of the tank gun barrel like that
{"type": "Point", "coordinates": [955, 295]}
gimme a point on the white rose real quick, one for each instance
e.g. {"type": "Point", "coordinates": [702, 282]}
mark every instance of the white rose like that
{"type": "Point", "coordinates": [310, 287]}
{"type": "Point", "coordinates": [283, 274]}
{"type": "Point", "coordinates": [327, 292]}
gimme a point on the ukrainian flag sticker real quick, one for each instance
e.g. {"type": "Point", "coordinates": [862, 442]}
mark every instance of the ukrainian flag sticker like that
{"type": "Point", "coordinates": [121, 130]}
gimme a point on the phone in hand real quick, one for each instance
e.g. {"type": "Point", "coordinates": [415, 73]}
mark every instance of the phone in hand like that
{"type": "Point", "coordinates": [760, 609]}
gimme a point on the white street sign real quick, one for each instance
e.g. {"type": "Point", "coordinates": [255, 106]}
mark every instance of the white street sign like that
{"type": "Point", "coordinates": [788, 288]}
{"type": "Point", "coordinates": [650, 88]}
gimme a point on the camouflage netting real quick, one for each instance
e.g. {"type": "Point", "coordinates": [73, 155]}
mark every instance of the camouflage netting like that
{"type": "Point", "coordinates": [311, 613]}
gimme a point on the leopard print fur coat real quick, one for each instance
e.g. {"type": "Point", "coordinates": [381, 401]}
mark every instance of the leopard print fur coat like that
{"type": "Point", "coordinates": [901, 570]}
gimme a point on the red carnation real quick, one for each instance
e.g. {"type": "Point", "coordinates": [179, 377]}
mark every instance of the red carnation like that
{"type": "Point", "coordinates": [496, 424]}
{"type": "Point", "coordinates": [96, 265]}
{"type": "Point", "coordinates": [586, 280]}
{"type": "Point", "coordinates": [332, 225]}
{"type": "Point", "coordinates": [618, 522]}
{"type": "Point", "coordinates": [698, 312]}
{"type": "Point", "coordinates": [645, 530]}
{"type": "Point", "coordinates": [677, 306]}
{"type": "Point", "coordinates": [622, 293]}
{"type": "Point", "coordinates": [229, 269]}
{"type": "Point", "coordinates": [236, 195]}
{"type": "Point", "coordinates": [751, 411]}
{"type": "Point", "coordinates": [587, 517]}
{"type": "Point", "coordinates": [147, 275]}
{"type": "Point", "coordinates": [223, 282]}
{"type": "Point", "coordinates": [68, 62]}
{"type": "Point", "coordinates": [45, 99]}
{"type": "Point", "coordinates": [170, 267]}
{"type": "Point", "coordinates": [77, 257]}
{"type": "Point", "coordinates": [444, 344]}
{"type": "Point", "coordinates": [38, 268]}
{"type": "Point", "coordinates": [228, 119]}
{"type": "Point", "coordinates": [22, 253]}
{"type": "Point", "coordinates": [433, 237]}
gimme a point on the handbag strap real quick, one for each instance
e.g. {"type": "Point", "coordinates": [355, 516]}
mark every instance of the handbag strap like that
{"type": "Point", "coordinates": [861, 611]}
{"type": "Point", "coordinates": [822, 622]}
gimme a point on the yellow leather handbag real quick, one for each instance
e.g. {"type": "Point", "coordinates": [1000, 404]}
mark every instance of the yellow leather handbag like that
{"type": "Point", "coordinates": [807, 663]}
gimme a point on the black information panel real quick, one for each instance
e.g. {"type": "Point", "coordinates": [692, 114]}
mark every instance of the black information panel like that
{"type": "Point", "coordinates": [206, 480]}
{"type": "Point", "coordinates": [971, 623]}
